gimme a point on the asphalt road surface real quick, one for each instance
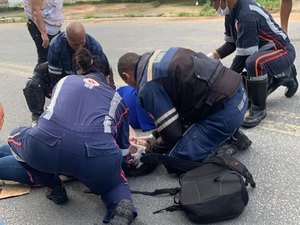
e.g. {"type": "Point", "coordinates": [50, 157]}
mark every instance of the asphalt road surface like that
{"type": "Point", "coordinates": [273, 157]}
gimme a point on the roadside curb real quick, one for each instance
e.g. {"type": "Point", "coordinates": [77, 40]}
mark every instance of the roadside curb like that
{"type": "Point", "coordinates": [12, 19]}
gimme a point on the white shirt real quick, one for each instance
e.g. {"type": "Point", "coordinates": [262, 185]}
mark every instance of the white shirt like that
{"type": "Point", "coordinates": [52, 13]}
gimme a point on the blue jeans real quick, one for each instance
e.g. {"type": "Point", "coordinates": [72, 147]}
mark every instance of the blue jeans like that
{"type": "Point", "coordinates": [203, 137]}
{"type": "Point", "coordinates": [10, 168]}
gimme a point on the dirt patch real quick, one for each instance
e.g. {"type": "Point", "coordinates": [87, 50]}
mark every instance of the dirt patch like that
{"type": "Point", "coordinates": [70, 11]}
{"type": "Point", "coordinates": [120, 10]}
{"type": "Point", "coordinates": [127, 10]}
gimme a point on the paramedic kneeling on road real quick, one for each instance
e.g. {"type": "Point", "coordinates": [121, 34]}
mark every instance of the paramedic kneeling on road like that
{"type": "Point", "coordinates": [83, 133]}
{"type": "Point", "coordinates": [196, 102]}
{"type": "Point", "coordinates": [262, 48]}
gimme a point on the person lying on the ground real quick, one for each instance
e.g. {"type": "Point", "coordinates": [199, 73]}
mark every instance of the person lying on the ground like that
{"type": "Point", "coordinates": [11, 170]}
{"type": "Point", "coordinates": [137, 116]}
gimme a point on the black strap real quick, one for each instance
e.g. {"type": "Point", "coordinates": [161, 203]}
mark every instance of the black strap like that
{"type": "Point", "coordinates": [170, 191]}
{"type": "Point", "coordinates": [180, 164]}
{"type": "Point", "coordinates": [169, 209]}
{"type": "Point", "coordinates": [186, 165]}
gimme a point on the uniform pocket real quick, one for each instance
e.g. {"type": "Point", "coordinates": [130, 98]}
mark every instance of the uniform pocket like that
{"type": "Point", "coordinates": [45, 137]}
{"type": "Point", "coordinates": [101, 149]}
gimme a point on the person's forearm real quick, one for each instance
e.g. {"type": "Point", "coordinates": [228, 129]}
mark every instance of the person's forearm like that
{"type": "Point", "coordinates": [285, 11]}
{"type": "Point", "coordinates": [38, 19]}
{"type": "Point", "coordinates": [226, 49]}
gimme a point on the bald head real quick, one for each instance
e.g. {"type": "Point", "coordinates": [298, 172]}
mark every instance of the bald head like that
{"type": "Point", "coordinates": [75, 34]}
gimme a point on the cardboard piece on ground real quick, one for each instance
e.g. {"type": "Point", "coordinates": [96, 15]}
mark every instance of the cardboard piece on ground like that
{"type": "Point", "coordinates": [8, 190]}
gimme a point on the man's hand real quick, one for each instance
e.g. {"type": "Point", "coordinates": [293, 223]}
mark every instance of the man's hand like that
{"type": "Point", "coordinates": [214, 55]}
{"type": "Point", "coordinates": [45, 39]}
{"type": "Point", "coordinates": [136, 157]}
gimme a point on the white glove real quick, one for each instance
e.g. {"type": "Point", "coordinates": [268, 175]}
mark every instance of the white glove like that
{"type": "Point", "coordinates": [136, 157]}
{"type": "Point", "coordinates": [150, 139]}
{"type": "Point", "coordinates": [211, 55]}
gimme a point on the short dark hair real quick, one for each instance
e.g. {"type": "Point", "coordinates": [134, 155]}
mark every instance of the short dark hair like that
{"type": "Point", "coordinates": [127, 62]}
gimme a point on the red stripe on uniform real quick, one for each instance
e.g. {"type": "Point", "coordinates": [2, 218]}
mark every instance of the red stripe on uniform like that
{"type": "Point", "coordinates": [13, 136]}
{"type": "Point", "coordinates": [17, 143]}
{"type": "Point", "coordinates": [266, 56]}
{"type": "Point", "coordinates": [122, 174]}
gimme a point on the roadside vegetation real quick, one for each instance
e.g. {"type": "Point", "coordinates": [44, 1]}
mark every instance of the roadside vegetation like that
{"type": "Point", "coordinates": [144, 8]}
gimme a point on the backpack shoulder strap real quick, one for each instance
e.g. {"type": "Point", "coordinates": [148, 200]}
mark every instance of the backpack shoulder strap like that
{"type": "Point", "coordinates": [235, 165]}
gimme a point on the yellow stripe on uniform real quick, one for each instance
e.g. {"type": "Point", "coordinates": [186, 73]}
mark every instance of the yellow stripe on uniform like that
{"type": "Point", "coordinates": [150, 64]}
{"type": "Point", "coordinates": [171, 111]}
{"type": "Point", "coordinates": [167, 123]}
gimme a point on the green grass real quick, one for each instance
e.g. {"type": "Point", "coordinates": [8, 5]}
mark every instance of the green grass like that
{"type": "Point", "coordinates": [88, 16]}
{"type": "Point", "coordinates": [134, 15]}
{"type": "Point", "coordinates": [271, 5]}
{"type": "Point", "coordinates": [185, 14]}
{"type": "Point", "coordinates": [206, 10]}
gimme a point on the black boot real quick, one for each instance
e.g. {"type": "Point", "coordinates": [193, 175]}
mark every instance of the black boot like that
{"type": "Point", "coordinates": [292, 85]}
{"type": "Point", "coordinates": [123, 213]}
{"type": "Point", "coordinates": [35, 98]}
{"type": "Point", "coordinates": [58, 195]}
{"type": "Point", "coordinates": [244, 75]}
{"type": "Point", "coordinates": [239, 140]}
{"type": "Point", "coordinates": [226, 148]}
{"type": "Point", "coordinates": [257, 92]}
{"type": "Point", "coordinates": [287, 79]}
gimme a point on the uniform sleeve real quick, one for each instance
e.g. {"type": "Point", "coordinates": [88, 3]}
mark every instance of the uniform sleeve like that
{"type": "Point", "coordinates": [122, 134]}
{"type": "Point", "coordinates": [247, 36]}
{"type": "Point", "coordinates": [229, 46]}
{"type": "Point", "coordinates": [226, 49]}
{"type": "Point", "coordinates": [238, 63]}
{"type": "Point", "coordinates": [156, 101]}
{"type": "Point", "coordinates": [54, 65]}
{"type": "Point", "coordinates": [228, 34]}
{"type": "Point", "coordinates": [122, 137]}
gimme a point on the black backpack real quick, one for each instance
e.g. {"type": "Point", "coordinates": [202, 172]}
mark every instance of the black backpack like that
{"type": "Point", "coordinates": [212, 191]}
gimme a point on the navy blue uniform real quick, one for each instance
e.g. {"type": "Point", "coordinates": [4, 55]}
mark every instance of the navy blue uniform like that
{"type": "Point", "coordinates": [196, 102]}
{"type": "Point", "coordinates": [83, 133]}
{"type": "Point", "coordinates": [262, 47]}
{"type": "Point", "coordinates": [60, 55]}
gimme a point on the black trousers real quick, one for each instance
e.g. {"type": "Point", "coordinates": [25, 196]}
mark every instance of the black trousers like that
{"type": "Point", "coordinates": [36, 36]}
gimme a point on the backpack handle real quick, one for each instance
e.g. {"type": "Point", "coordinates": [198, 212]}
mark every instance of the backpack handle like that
{"type": "Point", "coordinates": [235, 165]}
